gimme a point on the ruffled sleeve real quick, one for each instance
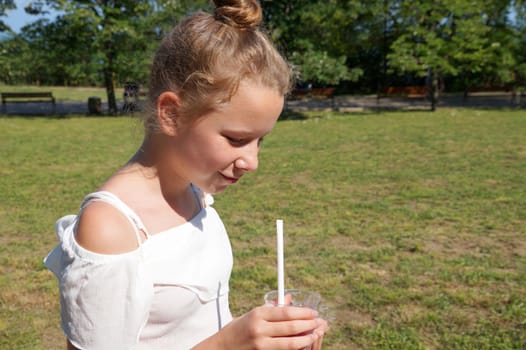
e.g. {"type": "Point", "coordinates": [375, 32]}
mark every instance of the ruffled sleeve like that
{"type": "Point", "coordinates": [105, 299]}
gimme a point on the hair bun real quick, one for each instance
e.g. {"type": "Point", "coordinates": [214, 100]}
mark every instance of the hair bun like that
{"type": "Point", "coordinates": [243, 14]}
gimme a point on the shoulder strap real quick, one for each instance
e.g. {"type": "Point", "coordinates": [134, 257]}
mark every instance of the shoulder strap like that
{"type": "Point", "coordinates": [113, 200]}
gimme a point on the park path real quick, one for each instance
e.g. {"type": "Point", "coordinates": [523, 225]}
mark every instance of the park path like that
{"type": "Point", "coordinates": [371, 102]}
{"type": "Point", "coordinates": [339, 103]}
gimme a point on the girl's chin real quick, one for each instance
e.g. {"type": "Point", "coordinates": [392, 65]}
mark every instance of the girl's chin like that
{"type": "Point", "coordinates": [216, 185]}
{"type": "Point", "coordinates": [214, 189]}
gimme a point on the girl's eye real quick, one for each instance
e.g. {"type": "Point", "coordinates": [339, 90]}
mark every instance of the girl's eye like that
{"type": "Point", "coordinates": [235, 140]}
{"type": "Point", "coordinates": [241, 142]}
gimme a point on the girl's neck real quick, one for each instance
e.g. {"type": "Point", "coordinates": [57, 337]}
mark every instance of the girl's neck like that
{"type": "Point", "coordinates": [161, 201]}
{"type": "Point", "coordinates": [147, 162]}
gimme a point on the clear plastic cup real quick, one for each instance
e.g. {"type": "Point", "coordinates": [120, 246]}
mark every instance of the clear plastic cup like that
{"type": "Point", "coordinates": [300, 298]}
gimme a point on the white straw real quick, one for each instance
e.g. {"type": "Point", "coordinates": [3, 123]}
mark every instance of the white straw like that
{"type": "Point", "coordinates": [281, 269]}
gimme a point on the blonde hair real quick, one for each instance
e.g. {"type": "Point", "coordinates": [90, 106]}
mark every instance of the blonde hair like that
{"type": "Point", "coordinates": [206, 56]}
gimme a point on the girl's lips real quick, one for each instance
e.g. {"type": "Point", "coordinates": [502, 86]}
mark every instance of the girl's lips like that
{"type": "Point", "coordinates": [232, 180]}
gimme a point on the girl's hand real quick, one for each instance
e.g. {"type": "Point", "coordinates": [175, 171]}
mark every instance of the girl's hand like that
{"type": "Point", "coordinates": [273, 328]}
{"type": "Point", "coordinates": [270, 328]}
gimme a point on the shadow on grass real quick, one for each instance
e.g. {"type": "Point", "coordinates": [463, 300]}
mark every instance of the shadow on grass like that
{"type": "Point", "coordinates": [61, 115]}
{"type": "Point", "coordinates": [48, 116]}
{"type": "Point", "coordinates": [35, 116]}
{"type": "Point", "coordinates": [292, 115]}
{"type": "Point", "coordinates": [60, 110]}
{"type": "Point", "coordinates": [304, 115]}
{"type": "Point", "coordinates": [286, 115]}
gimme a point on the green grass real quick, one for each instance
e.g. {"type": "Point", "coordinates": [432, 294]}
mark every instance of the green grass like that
{"type": "Point", "coordinates": [412, 225]}
{"type": "Point", "coordinates": [64, 93]}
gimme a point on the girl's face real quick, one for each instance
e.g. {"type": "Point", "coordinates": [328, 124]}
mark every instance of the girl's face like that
{"type": "Point", "coordinates": [220, 147]}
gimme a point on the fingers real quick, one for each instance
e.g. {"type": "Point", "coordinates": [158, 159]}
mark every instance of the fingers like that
{"type": "Point", "coordinates": [275, 328]}
{"type": "Point", "coordinates": [291, 328]}
{"type": "Point", "coordinates": [276, 314]}
{"type": "Point", "coordinates": [294, 327]}
{"type": "Point", "coordinates": [295, 342]}
{"type": "Point", "coordinates": [324, 325]}
{"type": "Point", "coordinates": [287, 321]}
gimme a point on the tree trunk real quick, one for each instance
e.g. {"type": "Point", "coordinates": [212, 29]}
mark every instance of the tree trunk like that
{"type": "Point", "coordinates": [433, 88]}
{"type": "Point", "coordinates": [385, 48]}
{"type": "Point", "coordinates": [110, 90]}
{"type": "Point", "coordinates": [108, 78]}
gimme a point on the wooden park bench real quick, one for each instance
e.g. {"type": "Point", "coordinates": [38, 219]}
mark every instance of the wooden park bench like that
{"type": "Point", "coordinates": [299, 93]}
{"type": "Point", "coordinates": [27, 97]}
{"type": "Point", "coordinates": [404, 91]}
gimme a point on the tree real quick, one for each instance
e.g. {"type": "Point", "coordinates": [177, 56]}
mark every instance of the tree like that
{"type": "Point", "coordinates": [13, 64]}
{"type": "Point", "coordinates": [314, 36]}
{"type": "Point", "coordinates": [519, 39]}
{"type": "Point", "coordinates": [370, 34]}
{"type": "Point", "coordinates": [122, 32]}
{"type": "Point", "coordinates": [444, 37]}
{"type": "Point", "coordinates": [5, 5]}
{"type": "Point", "coordinates": [317, 67]}
{"type": "Point", "coordinates": [362, 46]}
{"type": "Point", "coordinates": [496, 67]}
{"type": "Point", "coordinates": [62, 51]}
{"type": "Point", "coordinates": [111, 22]}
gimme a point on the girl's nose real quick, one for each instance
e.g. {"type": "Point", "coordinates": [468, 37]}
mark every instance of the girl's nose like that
{"type": "Point", "coordinates": [248, 160]}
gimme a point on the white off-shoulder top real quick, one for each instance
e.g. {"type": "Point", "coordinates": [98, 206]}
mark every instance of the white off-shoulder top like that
{"type": "Point", "coordinates": [169, 293]}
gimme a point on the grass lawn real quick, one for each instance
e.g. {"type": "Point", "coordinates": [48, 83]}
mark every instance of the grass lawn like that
{"type": "Point", "coordinates": [412, 225]}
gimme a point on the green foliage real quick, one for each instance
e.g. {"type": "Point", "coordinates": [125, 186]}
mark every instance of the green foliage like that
{"type": "Point", "coordinates": [455, 38]}
{"type": "Point", "coordinates": [14, 70]}
{"type": "Point", "coordinates": [4, 6]}
{"type": "Point", "coordinates": [90, 43]}
{"type": "Point", "coordinates": [438, 35]}
{"type": "Point", "coordinates": [319, 68]}
{"type": "Point", "coordinates": [367, 45]}
{"type": "Point", "coordinates": [68, 43]}
{"type": "Point", "coordinates": [315, 38]}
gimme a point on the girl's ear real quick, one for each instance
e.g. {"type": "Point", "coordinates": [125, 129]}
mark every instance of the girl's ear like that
{"type": "Point", "coordinates": [167, 106]}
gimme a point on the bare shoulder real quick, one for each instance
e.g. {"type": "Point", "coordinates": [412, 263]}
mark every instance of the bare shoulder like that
{"type": "Point", "coordinates": [105, 230]}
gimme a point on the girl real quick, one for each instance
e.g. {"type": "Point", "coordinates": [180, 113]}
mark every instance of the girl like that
{"type": "Point", "coordinates": [146, 262]}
